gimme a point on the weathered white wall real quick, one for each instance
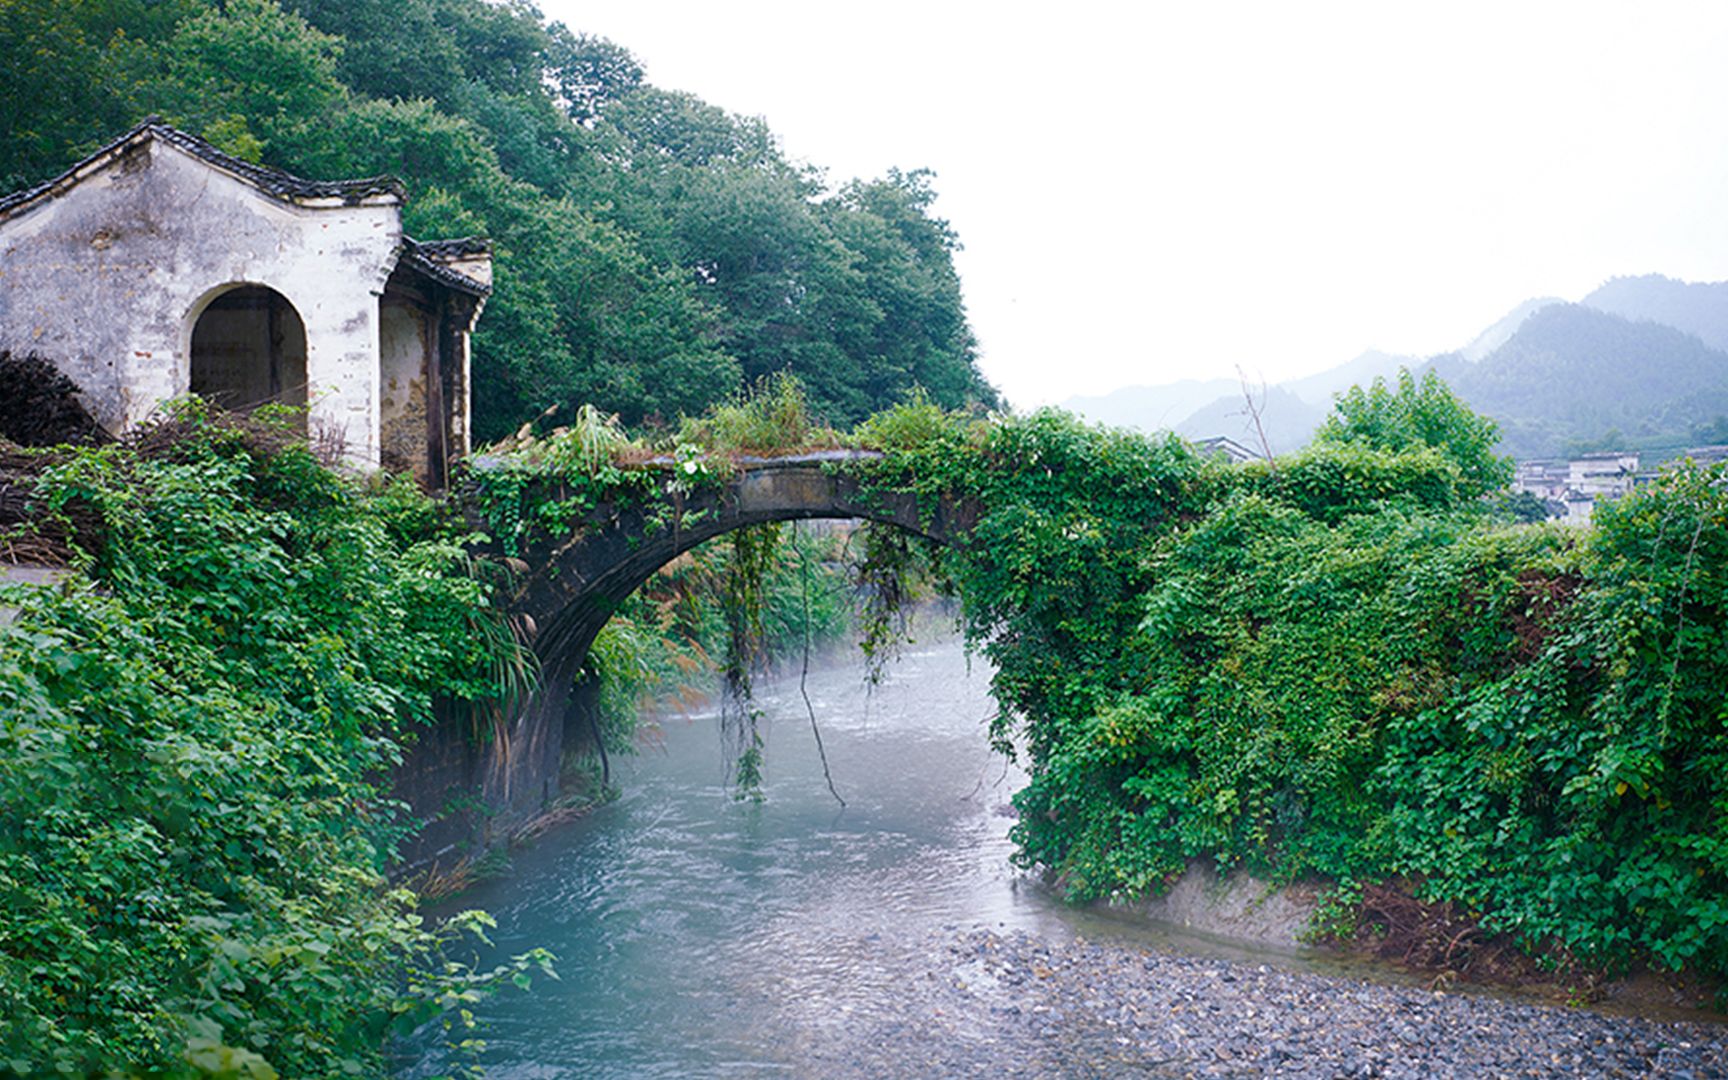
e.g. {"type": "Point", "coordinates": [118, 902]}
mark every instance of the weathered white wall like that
{"type": "Point", "coordinates": [107, 279]}
{"type": "Point", "coordinates": [461, 403]}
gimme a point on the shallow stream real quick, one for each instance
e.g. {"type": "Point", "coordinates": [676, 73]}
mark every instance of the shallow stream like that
{"type": "Point", "coordinates": [701, 935]}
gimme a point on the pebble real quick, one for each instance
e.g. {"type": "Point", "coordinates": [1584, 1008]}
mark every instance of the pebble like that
{"type": "Point", "coordinates": [1010, 1004]}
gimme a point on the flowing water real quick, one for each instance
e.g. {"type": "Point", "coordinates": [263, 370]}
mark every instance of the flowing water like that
{"type": "Point", "coordinates": [698, 935]}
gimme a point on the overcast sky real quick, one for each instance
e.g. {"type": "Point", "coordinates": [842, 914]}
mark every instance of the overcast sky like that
{"type": "Point", "coordinates": [1152, 192]}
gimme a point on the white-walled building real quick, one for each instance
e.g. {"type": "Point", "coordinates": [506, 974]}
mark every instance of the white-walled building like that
{"type": "Point", "coordinates": [1571, 488]}
{"type": "Point", "coordinates": [160, 266]}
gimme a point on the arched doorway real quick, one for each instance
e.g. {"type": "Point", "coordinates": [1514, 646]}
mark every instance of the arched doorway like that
{"type": "Point", "coordinates": [249, 349]}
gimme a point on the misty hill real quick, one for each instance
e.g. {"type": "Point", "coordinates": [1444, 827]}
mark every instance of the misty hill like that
{"type": "Point", "coordinates": [1373, 364]}
{"type": "Point", "coordinates": [1151, 408]}
{"type": "Point", "coordinates": [1289, 420]}
{"type": "Point", "coordinates": [1573, 377]}
{"type": "Point", "coordinates": [1641, 364]}
{"type": "Point", "coordinates": [1698, 308]}
{"type": "Point", "coordinates": [1498, 334]}
{"type": "Point", "coordinates": [1293, 409]}
{"type": "Point", "coordinates": [1180, 406]}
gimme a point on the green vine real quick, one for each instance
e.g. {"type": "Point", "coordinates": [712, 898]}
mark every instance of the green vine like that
{"type": "Point", "coordinates": [884, 581]}
{"type": "Point", "coordinates": [196, 729]}
{"type": "Point", "coordinates": [742, 595]}
{"type": "Point", "coordinates": [1348, 668]}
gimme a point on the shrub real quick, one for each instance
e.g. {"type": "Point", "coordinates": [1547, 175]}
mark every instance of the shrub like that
{"type": "Point", "coordinates": [1342, 664]}
{"type": "Point", "coordinates": [195, 730]}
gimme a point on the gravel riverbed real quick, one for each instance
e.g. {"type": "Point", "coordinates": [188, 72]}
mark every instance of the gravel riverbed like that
{"type": "Point", "coordinates": [983, 1003]}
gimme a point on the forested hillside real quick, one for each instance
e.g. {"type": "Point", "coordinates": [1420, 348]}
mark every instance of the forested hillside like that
{"type": "Point", "coordinates": [1574, 378]}
{"type": "Point", "coordinates": [1640, 364]}
{"type": "Point", "coordinates": [655, 253]}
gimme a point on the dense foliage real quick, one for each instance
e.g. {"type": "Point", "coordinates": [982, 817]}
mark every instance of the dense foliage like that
{"type": "Point", "coordinates": [1344, 664]}
{"type": "Point", "coordinates": [194, 728]}
{"type": "Point", "coordinates": [654, 253]}
{"type": "Point", "coordinates": [728, 607]}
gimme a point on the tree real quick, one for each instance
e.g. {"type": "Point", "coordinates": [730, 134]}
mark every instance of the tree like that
{"type": "Point", "coordinates": [1425, 414]}
{"type": "Point", "coordinates": [252, 78]}
{"type": "Point", "coordinates": [1524, 507]}
{"type": "Point", "coordinates": [78, 72]}
{"type": "Point", "coordinates": [654, 251]}
{"type": "Point", "coordinates": [401, 48]}
{"type": "Point", "coordinates": [589, 73]}
{"type": "Point", "coordinates": [905, 255]}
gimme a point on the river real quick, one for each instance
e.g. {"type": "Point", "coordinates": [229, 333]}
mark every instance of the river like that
{"type": "Point", "coordinates": [698, 935]}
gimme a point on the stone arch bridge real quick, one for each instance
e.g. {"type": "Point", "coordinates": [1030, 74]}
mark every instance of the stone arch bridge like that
{"type": "Point", "coordinates": [570, 585]}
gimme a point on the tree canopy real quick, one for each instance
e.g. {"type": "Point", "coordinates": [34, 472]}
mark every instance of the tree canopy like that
{"type": "Point", "coordinates": [655, 252]}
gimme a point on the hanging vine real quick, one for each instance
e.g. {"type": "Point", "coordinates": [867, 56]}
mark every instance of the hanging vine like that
{"type": "Point", "coordinates": [742, 593]}
{"type": "Point", "coordinates": [804, 671]}
{"type": "Point", "coordinates": [883, 579]}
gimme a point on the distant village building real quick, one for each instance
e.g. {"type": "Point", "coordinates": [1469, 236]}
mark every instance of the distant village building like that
{"type": "Point", "coordinates": [1222, 446]}
{"type": "Point", "coordinates": [1572, 488]}
{"type": "Point", "coordinates": [1548, 480]}
{"type": "Point", "coordinates": [1609, 474]}
{"type": "Point", "coordinates": [159, 266]}
{"type": "Point", "coordinates": [1544, 478]}
{"type": "Point", "coordinates": [1594, 478]}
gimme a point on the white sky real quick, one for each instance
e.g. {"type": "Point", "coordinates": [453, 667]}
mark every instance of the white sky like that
{"type": "Point", "coordinates": [1150, 192]}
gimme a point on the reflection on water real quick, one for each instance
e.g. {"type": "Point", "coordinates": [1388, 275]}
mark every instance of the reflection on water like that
{"type": "Point", "coordinates": [698, 935]}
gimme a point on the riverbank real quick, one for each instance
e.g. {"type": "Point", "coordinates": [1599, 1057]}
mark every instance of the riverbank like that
{"type": "Point", "coordinates": [1400, 938]}
{"type": "Point", "coordinates": [985, 1003]}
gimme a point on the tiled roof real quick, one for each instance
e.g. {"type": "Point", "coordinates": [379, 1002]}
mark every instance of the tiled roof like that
{"type": "Point", "coordinates": [273, 182]}
{"type": "Point", "coordinates": [429, 259]}
{"type": "Point", "coordinates": [454, 249]}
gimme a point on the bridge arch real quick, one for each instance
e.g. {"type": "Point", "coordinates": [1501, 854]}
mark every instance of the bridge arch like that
{"type": "Point", "coordinates": [574, 584]}
{"type": "Point", "coordinates": [571, 585]}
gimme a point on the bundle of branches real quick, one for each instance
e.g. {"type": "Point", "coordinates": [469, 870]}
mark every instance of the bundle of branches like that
{"type": "Point", "coordinates": [262, 434]}
{"type": "Point", "coordinates": [1450, 941]}
{"type": "Point", "coordinates": [28, 536]}
{"type": "Point", "coordinates": [40, 407]}
{"type": "Point", "coordinates": [32, 534]}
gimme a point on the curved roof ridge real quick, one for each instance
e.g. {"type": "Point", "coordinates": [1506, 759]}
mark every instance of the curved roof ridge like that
{"type": "Point", "coordinates": [274, 182]}
{"type": "Point", "coordinates": [452, 249]}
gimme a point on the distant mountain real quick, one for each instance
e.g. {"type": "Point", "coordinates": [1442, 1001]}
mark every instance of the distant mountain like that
{"type": "Point", "coordinates": [1150, 408]}
{"type": "Point", "coordinates": [1698, 308]}
{"type": "Point", "coordinates": [1289, 421]}
{"type": "Point", "coordinates": [1495, 336]}
{"type": "Point", "coordinates": [1371, 365]}
{"type": "Point", "coordinates": [1574, 376]}
{"type": "Point", "coordinates": [1640, 364]}
{"type": "Point", "coordinates": [1172, 405]}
